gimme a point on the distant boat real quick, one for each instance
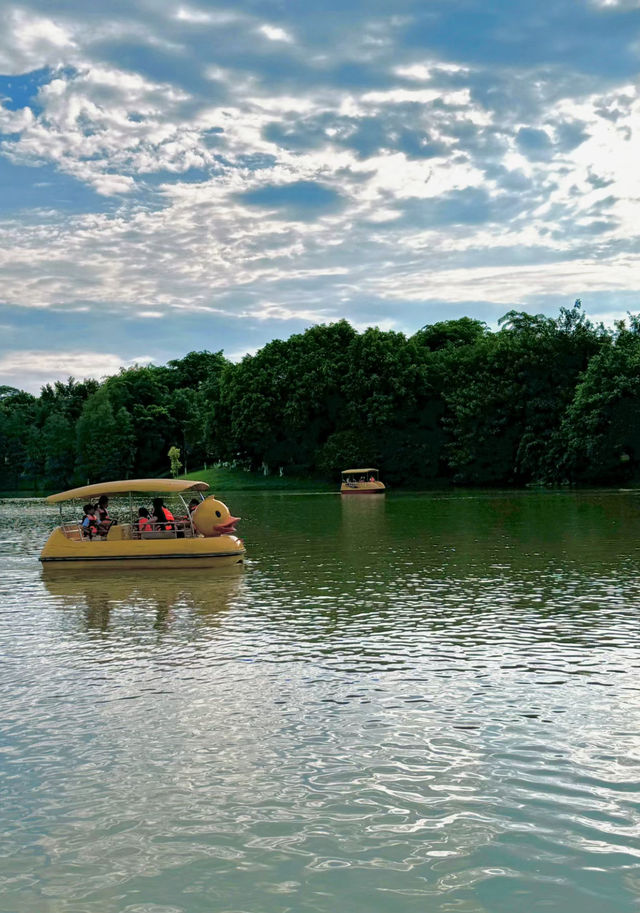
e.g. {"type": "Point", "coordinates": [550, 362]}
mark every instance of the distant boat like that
{"type": "Point", "coordinates": [361, 482]}
{"type": "Point", "coordinates": [203, 536]}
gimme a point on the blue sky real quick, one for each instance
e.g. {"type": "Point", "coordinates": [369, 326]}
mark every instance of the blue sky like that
{"type": "Point", "coordinates": [186, 176]}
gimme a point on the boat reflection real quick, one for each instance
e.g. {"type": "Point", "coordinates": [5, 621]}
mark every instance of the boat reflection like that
{"type": "Point", "coordinates": [363, 507]}
{"type": "Point", "coordinates": [162, 598]}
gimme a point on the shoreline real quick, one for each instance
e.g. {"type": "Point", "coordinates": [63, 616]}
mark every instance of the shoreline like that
{"type": "Point", "coordinates": [259, 484]}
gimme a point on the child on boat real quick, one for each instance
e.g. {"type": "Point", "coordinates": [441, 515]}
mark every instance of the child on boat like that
{"type": "Point", "coordinates": [143, 522]}
{"type": "Point", "coordinates": [89, 522]}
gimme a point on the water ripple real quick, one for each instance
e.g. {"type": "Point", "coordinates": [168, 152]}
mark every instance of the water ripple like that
{"type": "Point", "coordinates": [426, 703]}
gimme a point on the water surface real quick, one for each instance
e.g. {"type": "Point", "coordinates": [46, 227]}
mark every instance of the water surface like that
{"type": "Point", "coordinates": [421, 702]}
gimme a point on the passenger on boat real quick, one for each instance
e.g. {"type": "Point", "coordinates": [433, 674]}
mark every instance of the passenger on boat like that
{"type": "Point", "coordinates": [89, 522]}
{"type": "Point", "coordinates": [193, 503]}
{"type": "Point", "coordinates": [161, 515]}
{"type": "Point", "coordinates": [143, 522]}
{"type": "Point", "coordinates": [104, 520]}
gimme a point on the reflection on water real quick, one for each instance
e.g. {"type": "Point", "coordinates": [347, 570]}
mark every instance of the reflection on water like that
{"type": "Point", "coordinates": [108, 594]}
{"type": "Point", "coordinates": [422, 702]}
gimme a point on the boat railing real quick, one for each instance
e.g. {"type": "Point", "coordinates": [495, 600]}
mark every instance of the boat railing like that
{"type": "Point", "coordinates": [72, 531]}
{"type": "Point", "coordinates": [362, 483]}
{"type": "Point", "coordinates": [180, 529]}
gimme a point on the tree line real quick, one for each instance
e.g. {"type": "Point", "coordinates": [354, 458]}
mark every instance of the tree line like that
{"type": "Point", "coordinates": [540, 400]}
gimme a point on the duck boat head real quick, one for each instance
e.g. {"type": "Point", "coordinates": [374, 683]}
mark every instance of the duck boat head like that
{"type": "Point", "coordinates": [213, 518]}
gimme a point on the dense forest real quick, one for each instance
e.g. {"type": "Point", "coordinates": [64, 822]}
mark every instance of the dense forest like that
{"type": "Point", "coordinates": [540, 400]}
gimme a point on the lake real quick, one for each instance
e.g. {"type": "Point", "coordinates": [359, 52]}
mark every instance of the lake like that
{"type": "Point", "coordinates": [421, 702]}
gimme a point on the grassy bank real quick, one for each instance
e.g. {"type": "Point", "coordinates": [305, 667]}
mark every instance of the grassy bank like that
{"type": "Point", "coordinates": [240, 480]}
{"type": "Point", "coordinates": [224, 480]}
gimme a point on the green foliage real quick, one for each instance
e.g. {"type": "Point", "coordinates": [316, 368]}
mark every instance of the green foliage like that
{"type": "Point", "coordinates": [541, 399]}
{"type": "Point", "coordinates": [508, 395]}
{"type": "Point", "coordinates": [602, 426]}
{"type": "Point", "coordinates": [6, 392]}
{"type": "Point", "coordinates": [174, 460]}
{"type": "Point", "coordinates": [450, 333]}
{"type": "Point", "coordinates": [58, 440]}
{"type": "Point", "coordinates": [17, 423]}
{"type": "Point", "coordinates": [278, 406]}
{"type": "Point", "coordinates": [345, 450]}
{"type": "Point", "coordinates": [105, 442]}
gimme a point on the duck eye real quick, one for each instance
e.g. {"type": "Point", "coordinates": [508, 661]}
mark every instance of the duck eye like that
{"type": "Point", "coordinates": [218, 514]}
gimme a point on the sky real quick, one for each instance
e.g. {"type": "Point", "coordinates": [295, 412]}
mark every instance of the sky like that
{"type": "Point", "coordinates": [178, 177]}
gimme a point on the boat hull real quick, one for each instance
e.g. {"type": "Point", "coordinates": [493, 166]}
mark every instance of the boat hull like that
{"type": "Point", "coordinates": [219, 551]}
{"type": "Point", "coordinates": [364, 488]}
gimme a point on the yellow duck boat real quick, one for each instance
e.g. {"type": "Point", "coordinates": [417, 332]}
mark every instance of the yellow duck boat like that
{"type": "Point", "coordinates": [203, 537]}
{"type": "Point", "coordinates": [361, 482]}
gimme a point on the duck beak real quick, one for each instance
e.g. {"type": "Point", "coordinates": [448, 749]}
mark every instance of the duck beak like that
{"type": "Point", "coordinates": [229, 526]}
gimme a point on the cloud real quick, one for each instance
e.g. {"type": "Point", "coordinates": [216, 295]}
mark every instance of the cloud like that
{"type": "Point", "coordinates": [275, 33]}
{"type": "Point", "coordinates": [29, 41]}
{"type": "Point", "coordinates": [111, 184]}
{"type": "Point", "coordinates": [193, 16]}
{"type": "Point", "coordinates": [260, 169]}
{"type": "Point", "coordinates": [29, 370]}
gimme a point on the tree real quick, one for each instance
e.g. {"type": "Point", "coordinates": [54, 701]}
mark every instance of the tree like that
{"type": "Point", "coordinates": [281, 404]}
{"type": "Point", "coordinates": [601, 429]}
{"type": "Point", "coordinates": [105, 442]}
{"type": "Point", "coordinates": [450, 333]}
{"type": "Point", "coordinates": [6, 391]}
{"type": "Point", "coordinates": [194, 370]}
{"type": "Point", "coordinates": [174, 459]}
{"type": "Point", "coordinates": [344, 450]}
{"type": "Point", "coordinates": [542, 399]}
{"type": "Point", "coordinates": [17, 424]}
{"type": "Point", "coordinates": [508, 395]}
{"type": "Point", "coordinates": [58, 442]}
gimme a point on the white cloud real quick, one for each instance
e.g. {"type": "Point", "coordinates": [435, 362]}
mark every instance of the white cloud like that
{"type": "Point", "coordinates": [506, 286]}
{"type": "Point", "coordinates": [101, 125]}
{"type": "Point", "coordinates": [387, 323]}
{"type": "Point", "coordinates": [268, 311]}
{"type": "Point", "coordinates": [15, 121]}
{"type": "Point", "coordinates": [239, 354]}
{"type": "Point", "coordinates": [617, 4]}
{"type": "Point", "coordinates": [29, 370]}
{"type": "Point", "coordinates": [423, 72]}
{"type": "Point", "coordinates": [275, 33]}
{"type": "Point", "coordinates": [111, 184]}
{"type": "Point", "coordinates": [29, 41]}
{"type": "Point", "coordinates": [193, 16]}
{"type": "Point", "coordinates": [398, 154]}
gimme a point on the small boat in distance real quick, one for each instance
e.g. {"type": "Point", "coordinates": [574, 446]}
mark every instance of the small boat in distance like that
{"type": "Point", "coordinates": [201, 536]}
{"type": "Point", "coordinates": [361, 482]}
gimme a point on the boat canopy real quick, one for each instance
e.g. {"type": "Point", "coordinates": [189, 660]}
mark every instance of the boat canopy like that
{"type": "Point", "coordinates": [368, 469]}
{"type": "Point", "coordinates": [124, 487]}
